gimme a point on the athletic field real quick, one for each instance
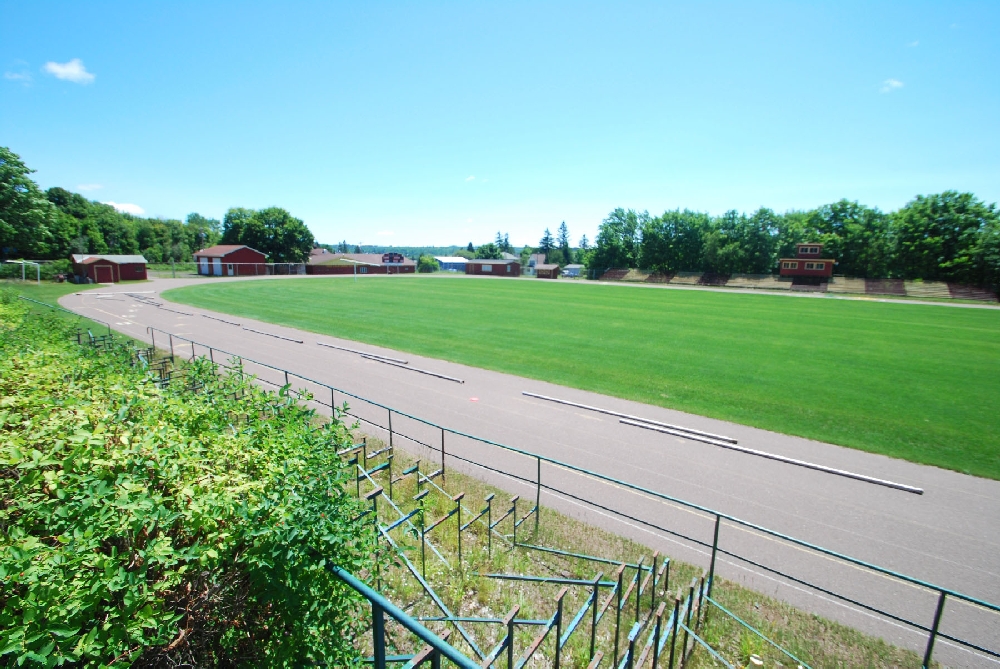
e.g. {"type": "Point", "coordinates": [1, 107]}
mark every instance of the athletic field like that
{"type": "Point", "coordinates": [911, 381]}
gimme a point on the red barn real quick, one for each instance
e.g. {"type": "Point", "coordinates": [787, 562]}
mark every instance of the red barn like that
{"type": "Point", "coordinates": [807, 263]}
{"type": "Point", "coordinates": [230, 260]}
{"type": "Point", "coordinates": [109, 268]}
{"type": "Point", "coordinates": [493, 267]}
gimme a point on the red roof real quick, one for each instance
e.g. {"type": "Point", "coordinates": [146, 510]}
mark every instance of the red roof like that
{"type": "Point", "coordinates": [220, 250]}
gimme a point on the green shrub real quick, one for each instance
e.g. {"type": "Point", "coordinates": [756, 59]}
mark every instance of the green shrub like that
{"type": "Point", "coordinates": [160, 526]}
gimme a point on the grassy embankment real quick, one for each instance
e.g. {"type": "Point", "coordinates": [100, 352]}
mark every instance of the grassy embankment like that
{"type": "Point", "coordinates": [816, 641]}
{"type": "Point", "coordinates": [910, 381]}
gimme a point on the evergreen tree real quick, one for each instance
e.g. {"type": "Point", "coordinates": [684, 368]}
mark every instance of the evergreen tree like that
{"type": "Point", "coordinates": [547, 243]}
{"type": "Point", "coordinates": [563, 239]}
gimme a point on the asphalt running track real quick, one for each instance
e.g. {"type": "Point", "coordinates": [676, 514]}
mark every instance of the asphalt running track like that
{"type": "Point", "coordinates": [949, 536]}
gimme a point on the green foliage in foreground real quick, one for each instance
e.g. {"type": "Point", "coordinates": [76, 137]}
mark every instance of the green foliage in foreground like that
{"type": "Point", "coordinates": [917, 382]}
{"type": "Point", "coordinates": [164, 526]}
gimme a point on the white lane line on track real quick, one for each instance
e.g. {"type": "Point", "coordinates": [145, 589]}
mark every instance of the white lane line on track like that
{"type": "Point", "coordinates": [386, 361]}
{"type": "Point", "coordinates": [687, 430]}
{"type": "Point", "coordinates": [372, 355]}
{"type": "Point", "coordinates": [786, 460]}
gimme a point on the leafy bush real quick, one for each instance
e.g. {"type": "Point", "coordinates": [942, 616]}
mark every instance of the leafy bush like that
{"type": "Point", "coordinates": [427, 264]}
{"type": "Point", "coordinates": [162, 526]}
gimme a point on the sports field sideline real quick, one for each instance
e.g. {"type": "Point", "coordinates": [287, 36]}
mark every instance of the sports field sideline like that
{"type": "Point", "coordinates": [909, 381]}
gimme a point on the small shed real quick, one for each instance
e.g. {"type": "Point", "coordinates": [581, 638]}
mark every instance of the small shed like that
{"type": "Point", "coordinates": [109, 268]}
{"type": "Point", "coordinates": [230, 260]}
{"type": "Point", "coordinates": [547, 271]}
{"type": "Point", "coordinates": [572, 270]}
{"type": "Point", "coordinates": [493, 267]}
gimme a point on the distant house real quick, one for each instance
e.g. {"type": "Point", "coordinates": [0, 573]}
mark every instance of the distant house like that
{"type": "Point", "coordinates": [572, 270]}
{"type": "Point", "coordinates": [510, 256]}
{"type": "Point", "coordinates": [547, 271]}
{"type": "Point", "coordinates": [108, 268]}
{"type": "Point", "coordinates": [359, 263]}
{"type": "Point", "coordinates": [534, 260]}
{"type": "Point", "coordinates": [807, 266]}
{"type": "Point", "coordinates": [451, 263]}
{"type": "Point", "coordinates": [493, 267]}
{"type": "Point", "coordinates": [230, 260]}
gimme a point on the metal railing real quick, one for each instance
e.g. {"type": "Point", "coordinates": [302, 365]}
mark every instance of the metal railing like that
{"type": "Point", "coordinates": [941, 596]}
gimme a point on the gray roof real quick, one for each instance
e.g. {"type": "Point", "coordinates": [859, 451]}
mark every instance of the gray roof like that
{"type": "Point", "coordinates": [574, 267]}
{"type": "Point", "coordinates": [85, 258]}
{"type": "Point", "coordinates": [480, 261]}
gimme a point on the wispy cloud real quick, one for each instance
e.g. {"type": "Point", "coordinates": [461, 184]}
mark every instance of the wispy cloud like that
{"type": "Point", "coordinates": [471, 177]}
{"type": "Point", "coordinates": [86, 187]}
{"type": "Point", "coordinates": [17, 76]}
{"type": "Point", "coordinates": [72, 71]}
{"type": "Point", "coordinates": [914, 43]}
{"type": "Point", "coordinates": [127, 208]}
{"type": "Point", "coordinates": [385, 233]}
{"type": "Point", "coordinates": [889, 85]}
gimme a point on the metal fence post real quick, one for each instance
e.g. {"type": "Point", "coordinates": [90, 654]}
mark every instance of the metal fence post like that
{"type": "Point", "coordinates": [934, 631]}
{"type": "Point", "coordinates": [510, 636]}
{"type": "Point", "coordinates": [715, 550]}
{"type": "Point", "coordinates": [489, 525]}
{"type": "Point", "coordinates": [593, 613]}
{"type": "Point", "coordinates": [211, 356]}
{"type": "Point", "coordinates": [390, 428]}
{"type": "Point", "coordinates": [171, 337]}
{"type": "Point", "coordinates": [559, 613]}
{"type": "Point", "coordinates": [538, 494]}
{"type": "Point", "coordinates": [458, 503]}
{"type": "Point", "coordinates": [657, 633]}
{"type": "Point", "coordinates": [378, 635]}
{"type": "Point", "coordinates": [618, 610]}
{"type": "Point", "coordinates": [192, 351]}
{"type": "Point", "coordinates": [443, 478]}
{"type": "Point", "coordinates": [673, 630]}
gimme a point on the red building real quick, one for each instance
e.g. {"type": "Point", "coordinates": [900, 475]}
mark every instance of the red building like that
{"type": "Point", "coordinates": [322, 261]}
{"type": "Point", "coordinates": [231, 260]}
{"type": "Point", "coordinates": [807, 265]}
{"type": "Point", "coordinates": [547, 271]}
{"type": "Point", "coordinates": [493, 267]}
{"type": "Point", "coordinates": [109, 268]}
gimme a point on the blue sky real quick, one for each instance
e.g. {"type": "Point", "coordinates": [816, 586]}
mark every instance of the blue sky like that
{"type": "Point", "coordinates": [439, 123]}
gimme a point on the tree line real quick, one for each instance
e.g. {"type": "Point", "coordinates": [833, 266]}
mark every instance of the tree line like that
{"type": "Point", "coordinates": [948, 236]}
{"type": "Point", "coordinates": [53, 224]}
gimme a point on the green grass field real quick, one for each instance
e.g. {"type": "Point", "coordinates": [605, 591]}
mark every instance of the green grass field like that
{"type": "Point", "coordinates": [911, 381]}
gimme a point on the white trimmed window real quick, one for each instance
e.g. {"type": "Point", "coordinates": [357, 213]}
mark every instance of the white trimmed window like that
{"type": "Point", "coordinates": [810, 265]}
{"type": "Point", "coordinates": [487, 268]}
{"type": "Point", "coordinates": [820, 265]}
{"type": "Point", "coordinates": [789, 265]}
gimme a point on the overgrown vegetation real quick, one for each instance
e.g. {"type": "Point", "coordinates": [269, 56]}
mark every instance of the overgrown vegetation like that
{"type": "Point", "coordinates": [165, 525]}
{"type": "Point", "coordinates": [468, 592]}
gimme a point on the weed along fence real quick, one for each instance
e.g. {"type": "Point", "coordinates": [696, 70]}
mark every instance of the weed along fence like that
{"type": "Point", "coordinates": [642, 623]}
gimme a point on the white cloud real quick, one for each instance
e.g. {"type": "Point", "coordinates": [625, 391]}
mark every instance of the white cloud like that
{"type": "Point", "coordinates": [86, 187]}
{"type": "Point", "coordinates": [471, 177]}
{"type": "Point", "coordinates": [385, 233]}
{"type": "Point", "coordinates": [17, 76]}
{"type": "Point", "coordinates": [72, 71]}
{"type": "Point", "coordinates": [127, 208]}
{"type": "Point", "coordinates": [890, 85]}
{"type": "Point", "coordinates": [914, 43]}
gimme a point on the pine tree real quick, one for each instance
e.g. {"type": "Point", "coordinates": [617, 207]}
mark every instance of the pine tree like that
{"type": "Point", "coordinates": [564, 243]}
{"type": "Point", "coordinates": [547, 243]}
